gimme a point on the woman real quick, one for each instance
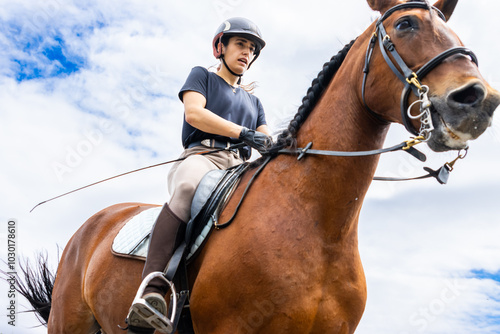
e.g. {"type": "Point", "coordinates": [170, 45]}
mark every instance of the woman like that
{"type": "Point", "coordinates": [218, 114]}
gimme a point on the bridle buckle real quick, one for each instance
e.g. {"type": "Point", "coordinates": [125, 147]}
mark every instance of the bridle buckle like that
{"type": "Point", "coordinates": [413, 80]}
{"type": "Point", "coordinates": [414, 141]}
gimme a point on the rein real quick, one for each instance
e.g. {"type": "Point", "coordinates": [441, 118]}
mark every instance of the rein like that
{"type": "Point", "coordinates": [441, 174]}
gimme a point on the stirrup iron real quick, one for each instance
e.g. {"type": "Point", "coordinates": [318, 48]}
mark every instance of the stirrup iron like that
{"type": "Point", "coordinates": [157, 320]}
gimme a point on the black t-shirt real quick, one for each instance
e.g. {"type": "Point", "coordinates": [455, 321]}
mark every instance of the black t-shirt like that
{"type": "Point", "coordinates": [237, 106]}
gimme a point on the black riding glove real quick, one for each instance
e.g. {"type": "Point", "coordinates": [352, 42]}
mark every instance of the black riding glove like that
{"type": "Point", "coordinates": [258, 140]}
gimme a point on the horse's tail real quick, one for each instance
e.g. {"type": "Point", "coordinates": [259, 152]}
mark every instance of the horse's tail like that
{"type": "Point", "coordinates": [37, 287]}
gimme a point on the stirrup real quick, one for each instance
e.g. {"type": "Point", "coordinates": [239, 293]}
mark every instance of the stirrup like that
{"type": "Point", "coordinates": [154, 318]}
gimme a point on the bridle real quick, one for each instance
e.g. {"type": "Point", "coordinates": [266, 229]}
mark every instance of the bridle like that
{"type": "Point", "coordinates": [411, 81]}
{"type": "Point", "coordinates": [410, 78]}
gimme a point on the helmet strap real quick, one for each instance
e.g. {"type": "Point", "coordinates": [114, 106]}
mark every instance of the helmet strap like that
{"type": "Point", "coordinates": [231, 71]}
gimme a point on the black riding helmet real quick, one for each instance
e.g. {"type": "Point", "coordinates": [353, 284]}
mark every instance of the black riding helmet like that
{"type": "Point", "coordinates": [238, 26]}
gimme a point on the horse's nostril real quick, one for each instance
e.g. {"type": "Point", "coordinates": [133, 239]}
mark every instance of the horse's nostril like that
{"type": "Point", "coordinates": [469, 95]}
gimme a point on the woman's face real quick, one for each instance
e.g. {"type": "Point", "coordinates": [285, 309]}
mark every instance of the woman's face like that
{"type": "Point", "coordinates": [239, 53]}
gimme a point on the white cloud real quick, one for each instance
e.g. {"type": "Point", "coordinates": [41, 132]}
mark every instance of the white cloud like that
{"type": "Point", "coordinates": [121, 112]}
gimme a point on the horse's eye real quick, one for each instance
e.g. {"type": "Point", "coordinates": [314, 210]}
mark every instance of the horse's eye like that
{"type": "Point", "coordinates": [404, 25]}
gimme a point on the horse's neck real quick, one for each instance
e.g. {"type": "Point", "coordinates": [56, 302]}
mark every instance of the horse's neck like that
{"type": "Point", "coordinates": [336, 186]}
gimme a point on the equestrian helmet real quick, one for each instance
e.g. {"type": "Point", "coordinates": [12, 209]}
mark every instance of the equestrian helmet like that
{"type": "Point", "coordinates": [238, 26]}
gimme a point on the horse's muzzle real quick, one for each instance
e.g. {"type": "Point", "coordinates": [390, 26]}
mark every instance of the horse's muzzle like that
{"type": "Point", "coordinates": [462, 115]}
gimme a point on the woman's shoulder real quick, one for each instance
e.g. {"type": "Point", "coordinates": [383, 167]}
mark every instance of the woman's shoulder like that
{"type": "Point", "coordinates": [202, 72]}
{"type": "Point", "coordinates": [199, 70]}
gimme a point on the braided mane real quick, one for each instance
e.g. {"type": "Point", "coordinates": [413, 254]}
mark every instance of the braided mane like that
{"type": "Point", "coordinates": [288, 137]}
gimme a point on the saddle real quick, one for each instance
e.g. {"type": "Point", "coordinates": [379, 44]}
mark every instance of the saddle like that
{"type": "Point", "coordinates": [212, 193]}
{"type": "Point", "coordinates": [210, 197]}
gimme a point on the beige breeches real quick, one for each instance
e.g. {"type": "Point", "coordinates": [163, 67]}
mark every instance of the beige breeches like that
{"type": "Point", "coordinates": [184, 176]}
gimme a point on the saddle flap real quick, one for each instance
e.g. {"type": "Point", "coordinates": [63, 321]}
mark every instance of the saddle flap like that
{"type": "Point", "coordinates": [205, 189]}
{"type": "Point", "coordinates": [212, 190]}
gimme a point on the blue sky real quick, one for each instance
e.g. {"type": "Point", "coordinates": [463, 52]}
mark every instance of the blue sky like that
{"type": "Point", "coordinates": [44, 59]}
{"type": "Point", "coordinates": [41, 48]}
{"type": "Point", "coordinates": [89, 90]}
{"type": "Point", "coordinates": [483, 274]}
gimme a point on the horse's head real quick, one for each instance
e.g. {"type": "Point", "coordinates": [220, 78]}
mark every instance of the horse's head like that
{"type": "Point", "coordinates": [412, 36]}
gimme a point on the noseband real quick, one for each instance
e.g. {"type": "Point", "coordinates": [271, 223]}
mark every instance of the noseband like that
{"type": "Point", "coordinates": [410, 79]}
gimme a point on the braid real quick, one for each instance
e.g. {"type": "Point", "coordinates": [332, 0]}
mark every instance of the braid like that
{"type": "Point", "coordinates": [287, 137]}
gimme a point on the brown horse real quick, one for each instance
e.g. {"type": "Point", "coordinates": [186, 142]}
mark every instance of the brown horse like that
{"type": "Point", "coordinates": [289, 263]}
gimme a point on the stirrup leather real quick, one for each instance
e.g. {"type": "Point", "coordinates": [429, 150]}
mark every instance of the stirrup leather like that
{"type": "Point", "coordinates": [140, 306]}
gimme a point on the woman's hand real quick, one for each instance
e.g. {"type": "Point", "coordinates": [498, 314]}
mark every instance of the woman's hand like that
{"type": "Point", "coordinates": [258, 140]}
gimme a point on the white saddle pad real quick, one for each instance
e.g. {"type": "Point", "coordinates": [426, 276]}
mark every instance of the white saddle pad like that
{"type": "Point", "coordinates": [133, 238]}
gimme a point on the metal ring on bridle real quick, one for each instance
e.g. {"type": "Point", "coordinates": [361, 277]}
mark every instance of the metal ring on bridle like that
{"type": "Point", "coordinates": [425, 104]}
{"type": "Point", "coordinates": [423, 71]}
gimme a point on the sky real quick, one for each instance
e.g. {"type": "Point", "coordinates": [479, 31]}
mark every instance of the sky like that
{"type": "Point", "coordinates": [88, 90]}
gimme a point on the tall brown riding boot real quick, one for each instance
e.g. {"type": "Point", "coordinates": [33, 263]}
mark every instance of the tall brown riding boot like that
{"type": "Point", "coordinates": [166, 235]}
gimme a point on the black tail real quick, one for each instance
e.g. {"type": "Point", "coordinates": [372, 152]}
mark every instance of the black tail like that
{"type": "Point", "coordinates": [37, 287]}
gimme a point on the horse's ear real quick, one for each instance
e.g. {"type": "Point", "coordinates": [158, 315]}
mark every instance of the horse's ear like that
{"type": "Point", "coordinates": [382, 5]}
{"type": "Point", "coordinates": [447, 7]}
